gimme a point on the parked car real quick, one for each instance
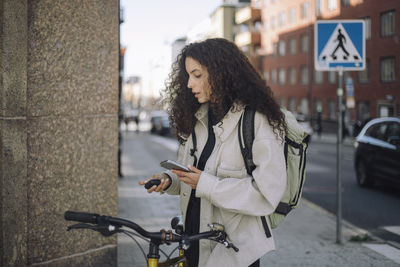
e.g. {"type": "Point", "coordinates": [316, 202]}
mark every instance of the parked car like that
{"type": "Point", "coordinates": [377, 152]}
{"type": "Point", "coordinates": [160, 123]}
{"type": "Point", "coordinates": [130, 115]}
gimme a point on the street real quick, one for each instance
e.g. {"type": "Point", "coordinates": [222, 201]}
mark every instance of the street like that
{"type": "Point", "coordinates": [307, 235]}
{"type": "Point", "coordinates": [372, 209]}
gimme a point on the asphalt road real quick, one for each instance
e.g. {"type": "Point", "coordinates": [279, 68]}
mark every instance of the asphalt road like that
{"type": "Point", "coordinates": [372, 209]}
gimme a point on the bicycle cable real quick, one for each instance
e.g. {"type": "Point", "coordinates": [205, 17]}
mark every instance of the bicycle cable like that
{"type": "Point", "coordinates": [172, 252]}
{"type": "Point", "coordinates": [137, 235]}
{"type": "Point", "coordinates": [137, 243]}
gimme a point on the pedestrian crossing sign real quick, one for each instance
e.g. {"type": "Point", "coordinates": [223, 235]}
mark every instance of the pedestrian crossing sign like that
{"type": "Point", "coordinates": [339, 44]}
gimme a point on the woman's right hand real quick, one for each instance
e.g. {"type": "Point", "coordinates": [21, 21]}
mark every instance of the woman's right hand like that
{"type": "Point", "coordinates": [165, 182]}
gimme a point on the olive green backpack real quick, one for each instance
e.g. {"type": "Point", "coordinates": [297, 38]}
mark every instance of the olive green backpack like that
{"type": "Point", "coordinates": [295, 148]}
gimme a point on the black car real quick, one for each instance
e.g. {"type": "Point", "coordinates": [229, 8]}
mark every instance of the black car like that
{"type": "Point", "coordinates": [160, 123]}
{"type": "Point", "coordinates": [377, 153]}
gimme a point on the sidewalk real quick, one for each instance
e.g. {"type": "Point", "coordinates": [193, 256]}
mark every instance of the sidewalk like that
{"type": "Point", "coordinates": [332, 139]}
{"type": "Point", "coordinates": [307, 237]}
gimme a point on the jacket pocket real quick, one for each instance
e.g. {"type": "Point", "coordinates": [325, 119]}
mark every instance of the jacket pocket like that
{"type": "Point", "coordinates": [225, 171]}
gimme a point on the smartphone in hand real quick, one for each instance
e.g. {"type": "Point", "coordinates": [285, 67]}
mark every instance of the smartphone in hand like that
{"type": "Point", "coordinates": [172, 165]}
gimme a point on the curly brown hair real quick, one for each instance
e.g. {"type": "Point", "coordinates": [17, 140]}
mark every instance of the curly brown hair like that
{"type": "Point", "coordinates": [232, 79]}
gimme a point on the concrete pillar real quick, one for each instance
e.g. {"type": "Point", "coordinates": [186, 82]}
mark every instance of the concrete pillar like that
{"type": "Point", "coordinates": [58, 129]}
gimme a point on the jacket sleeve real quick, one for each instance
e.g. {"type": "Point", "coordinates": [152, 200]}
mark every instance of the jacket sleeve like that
{"type": "Point", "coordinates": [258, 196]}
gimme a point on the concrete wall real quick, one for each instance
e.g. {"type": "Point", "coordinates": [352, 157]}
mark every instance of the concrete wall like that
{"type": "Point", "coordinates": [58, 129]}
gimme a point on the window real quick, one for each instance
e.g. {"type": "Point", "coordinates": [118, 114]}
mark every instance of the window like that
{"type": "Point", "coordinates": [292, 75]}
{"type": "Point", "coordinates": [387, 69]}
{"type": "Point", "coordinates": [266, 75]}
{"type": "Point", "coordinates": [304, 75]}
{"type": "Point", "coordinates": [282, 48]}
{"type": "Point", "coordinates": [363, 110]}
{"type": "Point", "coordinates": [304, 10]}
{"type": "Point", "coordinates": [292, 104]}
{"type": "Point", "coordinates": [273, 23]}
{"type": "Point", "coordinates": [332, 77]}
{"type": "Point", "coordinates": [304, 106]}
{"type": "Point", "coordinates": [377, 131]}
{"type": "Point", "coordinates": [282, 19]}
{"type": "Point", "coordinates": [257, 3]}
{"type": "Point", "coordinates": [275, 49]}
{"type": "Point", "coordinates": [282, 102]}
{"type": "Point", "coordinates": [282, 76]}
{"type": "Point", "coordinates": [393, 132]}
{"type": "Point", "coordinates": [243, 28]}
{"type": "Point", "coordinates": [345, 2]}
{"type": "Point", "coordinates": [265, 24]}
{"type": "Point", "coordinates": [317, 107]}
{"type": "Point", "coordinates": [331, 110]}
{"type": "Point", "coordinates": [304, 43]}
{"type": "Point", "coordinates": [292, 46]}
{"type": "Point", "coordinates": [273, 76]}
{"type": "Point", "coordinates": [367, 28]}
{"type": "Point", "coordinates": [363, 76]}
{"type": "Point", "coordinates": [292, 15]}
{"type": "Point", "coordinates": [318, 8]}
{"type": "Point", "coordinates": [318, 77]}
{"type": "Point", "coordinates": [387, 23]}
{"type": "Point", "coordinates": [257, 26]}
{"type": "Point", "coordinates": [332, 4]}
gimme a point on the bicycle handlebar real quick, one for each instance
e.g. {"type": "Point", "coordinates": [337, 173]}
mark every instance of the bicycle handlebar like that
{"type": "Point", "coordinates": [94, 218]}
{"type": "Point", "coordinates": [165, 236]}
{"type": "Point", "coordinates": [81, 217]}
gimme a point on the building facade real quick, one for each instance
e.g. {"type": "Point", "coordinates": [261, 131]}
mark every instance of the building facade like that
{"type": "Point", "coordinates": [287, 55]}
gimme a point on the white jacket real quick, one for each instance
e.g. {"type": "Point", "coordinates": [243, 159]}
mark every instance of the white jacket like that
{"type": "Point", "coordinates": [228, 195]}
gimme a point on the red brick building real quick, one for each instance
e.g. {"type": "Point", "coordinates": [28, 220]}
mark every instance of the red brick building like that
{"type": "Point", "coordinates": [287, 52]}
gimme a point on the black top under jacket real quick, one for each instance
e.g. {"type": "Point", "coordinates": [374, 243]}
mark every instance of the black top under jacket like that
{"type": "Point", "coordinates": [192, 224]}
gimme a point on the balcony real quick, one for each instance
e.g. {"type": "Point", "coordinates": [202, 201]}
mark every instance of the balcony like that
{"type": "Point", "coordinates": [247, 14]}
{"type": "Point", "coordinates": [247, 38]}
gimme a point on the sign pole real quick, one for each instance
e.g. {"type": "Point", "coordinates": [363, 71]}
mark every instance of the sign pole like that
{"type": "Point", "coordinates": [339, 159]}
{"type": "Point", "coordinates": [339, 45]}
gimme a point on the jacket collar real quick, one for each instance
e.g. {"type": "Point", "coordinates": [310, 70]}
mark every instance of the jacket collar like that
{"type": "Point", "coordinates": [202, 111]}
{"type": "Point", "coordinates": [229, 121]}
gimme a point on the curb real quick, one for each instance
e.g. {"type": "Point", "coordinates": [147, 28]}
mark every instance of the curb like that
{"type": "Point", "coordinates": [345, 224]}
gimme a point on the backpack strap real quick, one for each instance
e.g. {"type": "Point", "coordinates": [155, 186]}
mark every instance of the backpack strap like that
{"type": "Point", "coordinates": [194, 149]}
{"type": "Point", "coordinates": [246, 138]}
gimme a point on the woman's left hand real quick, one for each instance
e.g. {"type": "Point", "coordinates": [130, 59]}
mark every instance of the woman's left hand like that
{"type": "Point", "coordinates": [191, 178]}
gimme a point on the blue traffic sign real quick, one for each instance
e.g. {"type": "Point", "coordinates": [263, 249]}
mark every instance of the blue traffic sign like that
{"type": "Point", "coordinates": [339, 44]}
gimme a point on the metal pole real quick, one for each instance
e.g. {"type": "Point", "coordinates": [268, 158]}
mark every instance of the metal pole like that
{"type": "Point", "coordinates": [339, 160]}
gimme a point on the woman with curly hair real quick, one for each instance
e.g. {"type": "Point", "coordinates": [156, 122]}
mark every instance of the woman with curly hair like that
{"type": "Point", "coordinates": [210, 84]}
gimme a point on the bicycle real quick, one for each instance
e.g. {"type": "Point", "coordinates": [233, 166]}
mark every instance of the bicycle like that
{"type": "Point", "coordinates": [107, 226]}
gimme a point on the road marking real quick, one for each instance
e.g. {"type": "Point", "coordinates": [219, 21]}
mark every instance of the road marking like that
{"type": "Point", "coordinates": [170, 144]}
{"type": "Point", "coordinates": [385, 250]}
{"type": "Point", "coordinates": [393, 229]}
{"type": "Point", "coordinates": [310, 167]}
{"type": "Point", "coordinates": [320, 189]}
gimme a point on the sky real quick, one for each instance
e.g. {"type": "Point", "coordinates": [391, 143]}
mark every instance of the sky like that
{"type": "Point", "coordinates": [151, 26]}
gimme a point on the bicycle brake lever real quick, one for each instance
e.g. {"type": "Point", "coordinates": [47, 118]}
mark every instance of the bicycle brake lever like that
{"type": "Point", "coordinates": [221, 238]}
{"type": "Point", "coordinates": [79, 226]}
{"type": "Point", "coordinates": [234, 247]}
{"type": "Point", "coordinates": [105, 230]}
